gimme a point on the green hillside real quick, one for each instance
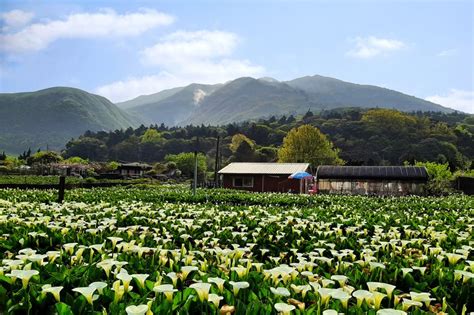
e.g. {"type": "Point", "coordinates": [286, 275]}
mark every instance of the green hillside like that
{"type": "Point", "coordinates": [336, 93]}
{"type": "Point", "coordinates": [171, 107]}
{"type": "Point", "coordinates": [53, 116]}
{"type": "Point", "coordinates": [148, 99]}
{"type": "Point", "coordinates": [248, 98]}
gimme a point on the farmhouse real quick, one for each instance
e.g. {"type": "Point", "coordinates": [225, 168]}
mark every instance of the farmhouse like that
{"type": "Point", "coordinates": [133, 169]}
{"type": "Point", "coordinates": [371, 180]}
{"type": "Point", "coordinates": [263, 177]}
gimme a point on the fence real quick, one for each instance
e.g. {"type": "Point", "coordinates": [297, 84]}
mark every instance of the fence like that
{"type": "Point", "coordinates": [56, 186]}
{"type": "Point", "coordinates": [207, 184]}
{"type": "Point", "coordinates": [61, 186]}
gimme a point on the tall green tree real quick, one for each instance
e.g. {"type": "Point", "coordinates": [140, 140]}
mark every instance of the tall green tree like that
{"type": "Point", "coordinates": [237, 140]}
{"type": "Point", "coordinates": [307, 144]}
{"type": "Point", "coordinates": [243, 148]}
{"type": "Point", "coordinates": [185, 163]}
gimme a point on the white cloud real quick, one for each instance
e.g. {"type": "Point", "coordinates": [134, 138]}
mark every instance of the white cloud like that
{"type": "Point", "coordinates": [134, 86]}
{"type": "Point", "coordinates": [447, 53]}
{"type": "Point", "coordinates": [180, 46]}
{"type": "Point", "coordinates": [371, 46]}
{"type": "Point", "coordinates": [184, 58]}
{"type": "Point", "coordinates": [15, 18]}
{"type": "Point", "coordinates": [457, 99]}
{"type": "Point", "coordinates": [105, 23]}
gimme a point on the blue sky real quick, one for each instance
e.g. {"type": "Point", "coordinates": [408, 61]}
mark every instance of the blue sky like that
{"type": "Point", "coordinates": [122, 49]}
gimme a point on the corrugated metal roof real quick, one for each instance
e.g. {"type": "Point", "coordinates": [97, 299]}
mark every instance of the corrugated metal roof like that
{"type": "Point", "coordinates": [264, 168]}
{"type": "Point", "coordinates": [372, 172]}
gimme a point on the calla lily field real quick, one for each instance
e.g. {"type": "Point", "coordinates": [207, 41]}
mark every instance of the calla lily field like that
{"type": "Point", "coordinates": [161, 250]}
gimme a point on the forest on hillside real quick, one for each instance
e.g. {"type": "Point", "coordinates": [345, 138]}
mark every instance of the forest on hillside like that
{"type": "Point", "coordinates": [363, 137]}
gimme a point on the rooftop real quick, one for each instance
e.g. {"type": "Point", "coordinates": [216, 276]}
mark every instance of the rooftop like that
{"type": "Point", "coordinates": [135, 165]}
{"type": "Point", "coordinates": [264, 168]}
{"type": "Point", "coordinates": [372, 172]}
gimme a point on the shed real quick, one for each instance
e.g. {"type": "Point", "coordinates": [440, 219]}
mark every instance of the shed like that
{"type": "Point", "coordinates": [465, 184]}
{"type": "Point", "coordinates": [262, 177]}
{"type": "Point", "coordinates": [371, 180]}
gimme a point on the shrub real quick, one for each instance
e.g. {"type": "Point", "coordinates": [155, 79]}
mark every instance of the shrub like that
{"type": "Point", "coordinates": [439, 178]}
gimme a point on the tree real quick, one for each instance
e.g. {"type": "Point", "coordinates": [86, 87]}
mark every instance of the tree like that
{"type": "Point", "coordinates": [87, 148]}
{"type": "Point", "coordinates": [389, 121]}
{"type": "Point", "coordinates": [308, 114]}
{"type": "Point", "coordinates": [266, 154]}
{"type": "Point", "coordinates": [151, 136]}
{"type": "Point", "coordinates": [76, 160]}
{"type": "Point", "coordinates": [290, 119]}
{"type": "Point", "coordinates": [25, 155]}
{"type": "Point", "coordinates": [307, 144]}
{"type": "Point", "coordinates": [159, 168]}
{"type": "Point", "coordinates": [112, 166]}
{"type": "Point", "coordinates": [128, 150]}
{"type": "Point", "coordinates": [185, 163]}
{"type": "Point", "coordinates": [439, 177]}
{"type": "Point", "coordinates": [433, 150]}
{"type": "Point", "coordinates": [44, 157]}
{"type": "Point", "coordinates": [260, 133]}
{"type": "Point", "coordinates": [11, 162]}
{"type": "Point", "coordinates": [243, 148]}
{"type": "Point", "coordinates": [237, 140]}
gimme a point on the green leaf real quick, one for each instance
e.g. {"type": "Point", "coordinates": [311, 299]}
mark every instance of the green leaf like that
{"type": "Point", "coordinates": [5, 279]}
{"type": "Point", "coordinates": [63, 309]}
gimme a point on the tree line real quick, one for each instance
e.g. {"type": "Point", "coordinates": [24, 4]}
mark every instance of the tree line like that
{"type": "Point", "coordinates": [360, 136]}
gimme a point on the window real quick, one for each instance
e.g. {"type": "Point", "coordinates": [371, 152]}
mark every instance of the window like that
{"type": "Point", "coordinates": [243, 181]}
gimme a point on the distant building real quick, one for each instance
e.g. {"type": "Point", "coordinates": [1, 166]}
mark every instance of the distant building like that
{"type": "Point", "coordinates": [132, 169]}
{"type": "Point", "coordinates": [371, 180]}
{"type": "Point", "coordinates": [262, 177]}
{"type": "Point", "coordinates": [66, 169]}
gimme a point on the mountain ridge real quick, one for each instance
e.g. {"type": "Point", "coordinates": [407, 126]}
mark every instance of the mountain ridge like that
{"type": "Point", "coordinates": [49, 117]}
{"type": "Point", "coordinates": [266, 96]}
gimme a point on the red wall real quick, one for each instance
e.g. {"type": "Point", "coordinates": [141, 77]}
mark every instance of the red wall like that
{"type": "Point", "coordinates": [264, 183]}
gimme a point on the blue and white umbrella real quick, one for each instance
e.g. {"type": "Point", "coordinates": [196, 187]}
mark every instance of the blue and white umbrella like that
{"type": "Point", "coordinates": [300, 175]}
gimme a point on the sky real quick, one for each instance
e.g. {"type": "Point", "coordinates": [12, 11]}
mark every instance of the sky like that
{"type": "Point", "coordinates": [123, 49]}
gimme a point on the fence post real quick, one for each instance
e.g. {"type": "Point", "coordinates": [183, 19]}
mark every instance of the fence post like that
{"type": "Point", "coordinates": [62, 186]}
{"type": "Point", "coordinates": [195, 172]}
{"type": "Point", "coordinates": [216, 165]}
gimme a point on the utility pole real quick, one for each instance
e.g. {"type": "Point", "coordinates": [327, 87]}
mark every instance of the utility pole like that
{"type": "Point", "coordinates": [195, 172]}
{"type": "Point", "coordinates": [216, 166]}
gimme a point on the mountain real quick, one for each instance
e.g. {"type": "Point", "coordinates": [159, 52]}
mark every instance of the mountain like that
{"type": "Point", "coordinates": [53, 116]}
{"type": "Point", "coordinates": [248, 98]}
{"type": "Point", "coordinates": [170, 107]}
{"type": "Point", "coordinates": [269, 79]}
{"type": "Point", "coordinates": [148, 99]}
{"type": "Point", "coordinates": [336, 93]}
